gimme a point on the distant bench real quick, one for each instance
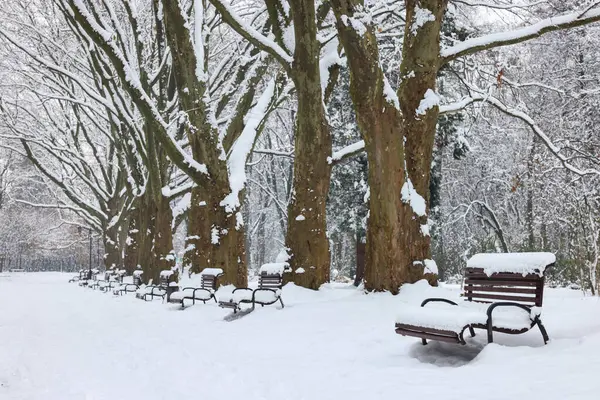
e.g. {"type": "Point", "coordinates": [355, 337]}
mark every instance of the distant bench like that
{"type": "Point", "coordinates": [517, 279]}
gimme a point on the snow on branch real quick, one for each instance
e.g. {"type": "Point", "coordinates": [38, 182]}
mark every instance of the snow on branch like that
{"type": "Point", "coordinates": [252, 35]}
{"type": "Point", "coordinates": [513, 112]}
{"type": "Point", "coordinates": [236, 161]}
{"type": "Point", "coordinates": [518, 35]}
{"type": "Point", "coordinates": [346, 152]}
{"type": "Point", "coordinates": [471, 3]}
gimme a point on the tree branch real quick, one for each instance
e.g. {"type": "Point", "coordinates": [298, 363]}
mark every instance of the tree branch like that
{"type": "Point", "coordinates": [519, 35]}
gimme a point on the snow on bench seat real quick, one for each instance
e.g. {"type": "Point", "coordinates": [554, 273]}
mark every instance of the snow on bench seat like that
{"type": "Point", "coordinates": [200, 294]}
{"type": "Point", "coordinates": [261, 296]}
{"type": "Point", "coordinates": [520, 263]}
{"type": "Point", "coordinates": [148, 290]}
{"type": "Point", "coordinates": [448, 317]}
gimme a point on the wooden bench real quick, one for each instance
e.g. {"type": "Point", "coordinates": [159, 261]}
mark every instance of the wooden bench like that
{"type": "Point", "coordinates": [130, 287]}
{"type": "Point", "coordinates": [270, 281]}
{"type": "Point", "coordinates": [498, 297]}
{"type": "Point", "coordinates": [206, 291]}
{"type": "Point", "coordinates": [165, 287]}
{"type": "Point", "coordinates": [80, 275]}
{"type": "Point", "coordinates": [89, 278]}
{"type": "Point", "coordinates": [112, 279]}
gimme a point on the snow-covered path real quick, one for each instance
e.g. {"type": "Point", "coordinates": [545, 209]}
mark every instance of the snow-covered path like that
{"type": "Point", "coordinates": [59, 341]}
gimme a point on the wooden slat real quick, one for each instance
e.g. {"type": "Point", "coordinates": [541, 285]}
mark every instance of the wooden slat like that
{"type": "Point", "coordinates": [431, 336]}
{"type": "Point", "coordinates": [489, 282]}
{"type": "Point", "coordinates": [500, 297]}
{"type": "Point", "coordinates": [499, 289]}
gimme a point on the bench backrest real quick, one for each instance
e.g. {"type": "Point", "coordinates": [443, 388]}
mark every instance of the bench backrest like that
{"type": "Point", "coordinates": [503, 286]}
{"type": "Point", "coordinates": [209, 282]}
{"type": "Point", "coordinates": [270, 281]}
{"type": "Point", "coordinates": [163, 281]}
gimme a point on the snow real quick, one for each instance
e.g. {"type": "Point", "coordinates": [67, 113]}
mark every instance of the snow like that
{"type": "Point", "coordinates": [390, 94]}
{"type": "Point", "coordinates": [329, 58]}
{"type": "Point", "coordinates": [264, 296]}
{"type": "Point", "coordinates": [138, 273]}
{"type": "Point", "coordinates": [300, 217]}
{"type": "Point", "coordinates": [300, 270]}
{"type": "Point", "coordinates": [211, 271]}
{"type": "Point", "coordinates": [521, 263]}
{"type": "Point", "coordinates": [422, 16]}
{"type": "Point", "coordinates": [166, 273]}
{"type": "Point", "coordinates": [430, 100]}
{"type": "Point", "coordinates": [354, 147]}
{"type": "Point", "coordinates": [416, 201]}
{"type": "Point", "coordinates": [455, 318]}
{"type": "Point", "coordinates": [515, 34]}
{"type": "Point", "coordinates": [430, 266]}
{"type": "Point", "coordinates": [356, 24]}
{"type": "Point", "coordinates": [274, 268]}
{"type": "Point", "coordinates": [65, 342]}
{"type": "Point", "coordinates": [236, 161]}
{"type": "Point", "coordinates": [201, 294]}
{"type": "Point", "coordinates": [201, 74]}
{"type": "Point", "coordinates": [214, 235]}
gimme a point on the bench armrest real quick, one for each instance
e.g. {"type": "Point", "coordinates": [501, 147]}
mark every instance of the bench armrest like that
{"type": "Point", "coordinates": [437, 299]}
{"type": "Point", "coordinates": [241, 288]}
{"type": "Point", "coordinates": [265, 290]}
{"type": "Point", "coordinates": [490, 311]}
{"type": "Point", "coordinates": [493, 306]}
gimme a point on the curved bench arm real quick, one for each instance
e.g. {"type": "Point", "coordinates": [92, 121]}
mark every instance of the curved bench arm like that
{"type": "Point", "coordinates": [490, 311]}
{"type": "Point", "coordinates": [210, 294]}
{"type": "Point", "coordinates": [277, 296]}
{"type": "Point", "coordinates": [437, 299]}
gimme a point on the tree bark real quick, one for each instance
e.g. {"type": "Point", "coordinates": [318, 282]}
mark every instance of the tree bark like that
{"type": "Point", "coordinates": [306, 237]}
{"type": "Point", "coordinates": [399, 139]}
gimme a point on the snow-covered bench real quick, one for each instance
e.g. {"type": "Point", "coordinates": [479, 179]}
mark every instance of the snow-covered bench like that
{"type": "Point", "coordinates": [130, 287]}
{"type": "Point", "coordinates": [268, 292]}
{"type": "Point", "coordinates": [516, 279]}
{"type": "Point", "coordinates": [81, 275]}
{"type": "Point", "coordinates": [206, 291]}
{"type": "Point", "coordinates": [164, 289]}
{"type": "Point", "coordinates": [90, 275]}
{"type": "Point", "coordinates": [112, 279]}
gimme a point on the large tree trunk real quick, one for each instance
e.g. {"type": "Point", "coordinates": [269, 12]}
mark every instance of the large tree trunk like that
{"type": "Point", "coordinates": [306, 237]}
{"type": "Point", "coordinates": [399, 143]}
{"type": "Point", "coordinates": [215, 232]}
{"type": "Point", "coordinates": [215, 239]}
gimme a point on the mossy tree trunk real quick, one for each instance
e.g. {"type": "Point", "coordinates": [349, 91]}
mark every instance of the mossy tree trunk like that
{"type": "Point", "coordinates": [398, 136]}
{"type": "Point", "coordinates": [215, 233]}
{"type": "Point", "coordinates": [306, 237]}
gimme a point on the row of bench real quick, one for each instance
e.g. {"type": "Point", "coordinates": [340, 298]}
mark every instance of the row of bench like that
{"type": "Point", "coordinates": [502, 293]}
{"type": "Point", "coordinates": [268, 291]}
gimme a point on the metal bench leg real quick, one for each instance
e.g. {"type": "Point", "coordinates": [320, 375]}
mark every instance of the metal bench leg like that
{"type": "Point", "coordinates": [471, 331]}
{"type": "Point", "coordinates": [490, 332]}
{"type": "Point", "coordinates": [424, 341]}
{"type": "Point", "coordinates": [542, 330]}
{"type": "Point", "coordinates": [281, 301]}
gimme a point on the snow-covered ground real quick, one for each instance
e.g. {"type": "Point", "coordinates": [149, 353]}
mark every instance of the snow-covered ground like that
{"type": "Point", "coordinates": [59, 341]}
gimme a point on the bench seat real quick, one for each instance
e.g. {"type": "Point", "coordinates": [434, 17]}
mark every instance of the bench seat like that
{"type": "Point", "coordinates": [447, 317]}
{"type": "Point", "coordinates": [192, 293]}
